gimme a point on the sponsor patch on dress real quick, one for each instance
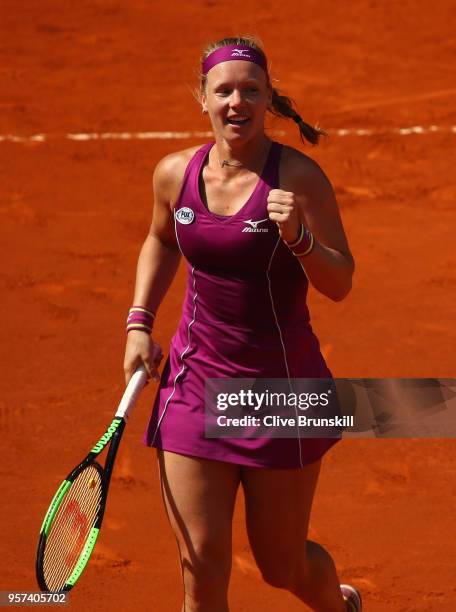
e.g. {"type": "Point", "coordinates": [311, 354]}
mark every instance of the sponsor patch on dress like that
{"type": "Point", "coordinates": [185, 215]}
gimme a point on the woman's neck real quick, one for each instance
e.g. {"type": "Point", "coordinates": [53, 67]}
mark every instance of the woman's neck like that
{"type": "Point", "coordinates": [250, 155]}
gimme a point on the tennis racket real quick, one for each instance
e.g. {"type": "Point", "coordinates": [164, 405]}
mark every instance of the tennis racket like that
{"type": "Point", "coordinates": [73, 520]}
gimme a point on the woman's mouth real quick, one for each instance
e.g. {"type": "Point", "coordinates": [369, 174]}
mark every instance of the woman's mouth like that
{"type": "Point", "coordinates": [237, 120]}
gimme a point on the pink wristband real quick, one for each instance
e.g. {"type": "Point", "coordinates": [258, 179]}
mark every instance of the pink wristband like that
{"type": "Point", "coordinates": [295, 243]}
{"type": "Point", "coordinates": [140, 318]}
{"type": "Point", "coordinates": [304, 243]}
{"type": "Point", "coordinates": [305, 250]}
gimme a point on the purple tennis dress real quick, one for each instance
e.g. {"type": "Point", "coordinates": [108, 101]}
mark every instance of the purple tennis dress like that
{"type": "Point", "coordinates": [244, 316]}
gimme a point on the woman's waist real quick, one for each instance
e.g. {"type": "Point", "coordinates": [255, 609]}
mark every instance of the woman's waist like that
{"type": "Point", "coordinates": [243, 328]}
{"type": "Point", "coordinates": [249, 317]}
{"type": "Point", "coordinates": [246, 305]}
{"type": "Point", "coordinates": [247, 351]}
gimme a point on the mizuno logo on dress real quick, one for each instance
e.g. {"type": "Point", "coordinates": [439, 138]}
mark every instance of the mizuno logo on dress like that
{"type": "Point", "coordinates": [253, 226]}
{"type": "Point", "coordinates": [185, 215]}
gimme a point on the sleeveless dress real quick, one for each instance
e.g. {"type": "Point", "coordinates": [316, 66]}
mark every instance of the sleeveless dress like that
{"type": "Point", "coordinates": [244, 316]}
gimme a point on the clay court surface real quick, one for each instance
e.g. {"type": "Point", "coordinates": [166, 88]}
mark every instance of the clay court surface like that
{"type": "Point", "coordinates": [74, 214]}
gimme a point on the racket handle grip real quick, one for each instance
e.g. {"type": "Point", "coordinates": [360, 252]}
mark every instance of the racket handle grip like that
{"type": "Point", "coordinates": [131, 394]}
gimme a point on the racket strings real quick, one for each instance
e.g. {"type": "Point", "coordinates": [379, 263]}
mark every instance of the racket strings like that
{"type": "Point", "coordinates": [62, 556]}
{"type": "Point", "coordinates": [71, 527]}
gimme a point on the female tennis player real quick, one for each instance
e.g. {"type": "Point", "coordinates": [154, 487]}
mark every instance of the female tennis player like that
{"type": "Point", "coordinates": [257, 222]}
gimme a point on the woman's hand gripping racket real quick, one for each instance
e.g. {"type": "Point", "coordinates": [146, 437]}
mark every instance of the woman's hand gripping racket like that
{"type": "Point", "coordinates": [73, 520]}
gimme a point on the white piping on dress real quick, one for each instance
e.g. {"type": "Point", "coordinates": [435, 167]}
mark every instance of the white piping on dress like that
{"type": "Point", "coordinates": [181, 356]}
{"type": "Point", "coordinates": [281, 338]}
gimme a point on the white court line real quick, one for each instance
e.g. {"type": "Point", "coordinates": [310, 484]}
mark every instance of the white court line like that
{"type": "Point", "coordinates": [402, 131]}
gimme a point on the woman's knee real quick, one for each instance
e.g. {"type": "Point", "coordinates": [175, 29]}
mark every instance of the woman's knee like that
{"type": "Point", "coordinates": [279, 573]}
{"type": "Point", "coordinates": [206, 566]}
{"type": "Point", "coordinates": [286, 572]}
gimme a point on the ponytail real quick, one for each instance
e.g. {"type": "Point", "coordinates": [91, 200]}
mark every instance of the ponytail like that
{"type": "Point", "coordinates": [282, 106]}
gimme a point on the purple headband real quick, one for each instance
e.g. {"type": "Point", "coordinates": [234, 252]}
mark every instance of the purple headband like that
{"type": "Point", "coordinates": [234, 52]}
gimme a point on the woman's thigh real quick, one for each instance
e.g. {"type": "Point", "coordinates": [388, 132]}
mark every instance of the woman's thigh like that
{"type": "Point", "coordinates": [277, 505]}
{"type": "Point", "coordinates": [199, 497]}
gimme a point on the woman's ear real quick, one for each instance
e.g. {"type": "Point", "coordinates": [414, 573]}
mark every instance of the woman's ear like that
{"type": "Point", "coordinates": [203, 103]}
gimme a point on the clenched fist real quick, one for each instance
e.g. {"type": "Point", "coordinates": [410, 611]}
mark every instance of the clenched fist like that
{"type": "Point", "coordinates": [283, 209]}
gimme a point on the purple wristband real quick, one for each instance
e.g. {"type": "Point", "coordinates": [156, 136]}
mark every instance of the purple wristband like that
{"type": "Point", "coordinates": [306, 246]}
{"type": "Point", "coordinates": [140, 318]}
{"type": "Point", "coordinates": [303, 244]}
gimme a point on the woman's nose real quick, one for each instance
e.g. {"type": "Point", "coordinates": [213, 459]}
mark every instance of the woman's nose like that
{"type": "Point", "coordinates": [235, 98]}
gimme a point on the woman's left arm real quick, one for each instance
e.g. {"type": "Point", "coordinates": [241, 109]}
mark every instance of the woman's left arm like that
{"type": "Point", "coordinates": [310, 200]}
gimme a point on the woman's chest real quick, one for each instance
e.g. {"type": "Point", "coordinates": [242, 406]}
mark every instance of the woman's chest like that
{"type": "Point", "coordinates": [226, 197]}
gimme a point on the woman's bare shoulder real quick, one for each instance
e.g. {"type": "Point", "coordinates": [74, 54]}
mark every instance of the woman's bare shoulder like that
{"type": "Point", "coordinates": [170, 170]}
{"type": "Point", "coordinates": [169, 174]}
{"type": "Point", "coordinates": [298, 169]}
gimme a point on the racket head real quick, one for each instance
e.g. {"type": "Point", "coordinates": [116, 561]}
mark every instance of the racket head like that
{"type": "Point", "coordinates": [73, 520]}
{"type": "Point", "coordinates": [70, 527]}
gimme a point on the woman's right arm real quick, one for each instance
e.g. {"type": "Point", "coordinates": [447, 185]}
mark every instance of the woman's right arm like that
{"type": "Point", "coordinates": [157, 265]}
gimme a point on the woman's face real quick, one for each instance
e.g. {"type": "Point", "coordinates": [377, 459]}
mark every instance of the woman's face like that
{"type": "Point", "coordinates": [236, 97]}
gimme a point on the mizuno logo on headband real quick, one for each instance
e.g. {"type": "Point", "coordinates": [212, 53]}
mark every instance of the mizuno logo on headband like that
{"type": "Point", "coordinates": [234, 52]}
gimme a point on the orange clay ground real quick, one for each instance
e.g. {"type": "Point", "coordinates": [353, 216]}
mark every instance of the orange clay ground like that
{"type": "Point", "coordinates": [73, 218]}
